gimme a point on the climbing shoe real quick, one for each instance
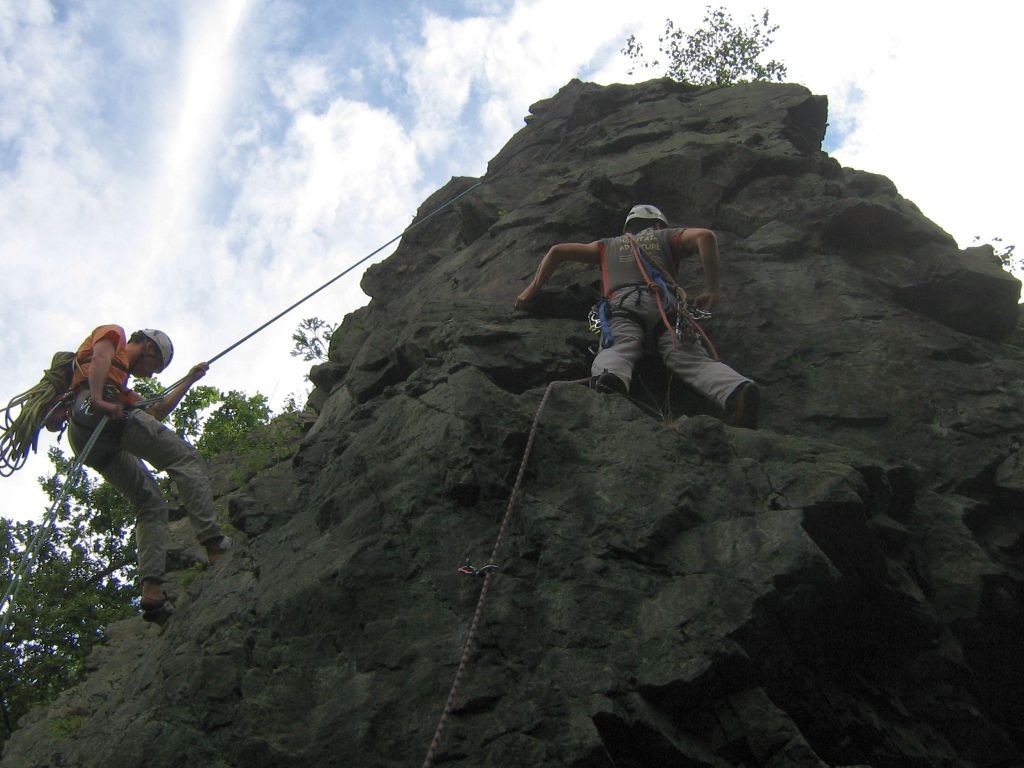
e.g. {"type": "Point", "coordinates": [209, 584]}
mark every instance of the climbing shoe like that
{"type": "Point", "coordinates": [157, 611]}
{"type": "Point", "coordinates": [609, 383]}
{"type": "Point", "coordinates": [744, 404]}
{"type": "Point", "coordinates": [216, 548]}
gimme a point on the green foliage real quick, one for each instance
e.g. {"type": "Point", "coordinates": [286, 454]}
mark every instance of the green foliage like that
{"type": "Point", "coordinates": [187, 418]}
{"type": "Point", "coordinates": [719, 53]}
{"type": "Point", "coordinates": [81, 583]}
{"type": "Point", "coordinates": [312, 339]}
{"type": "Point", "coordinates": [1011, 263]}
{"type": "Point", "coordinates": [65, 727]}
{"type": "Point", "coordinates": [191, 574]}
{"type": "Point", "coordinates": [85, 575]}
{"type": "Point", "coordinates": [227, 426]}
{"type": "Point", "coordinates": [1006, 257]}
{"type": "Point", "coordinates": [267, 446]}
{"type": "Point", "coordinates": [147, 387]}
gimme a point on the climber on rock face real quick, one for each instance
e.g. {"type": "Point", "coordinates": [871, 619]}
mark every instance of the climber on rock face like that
{"type": "Point", "coordinates": [644, 304]}
{"type": "Point", "coordinates": [103, 364]}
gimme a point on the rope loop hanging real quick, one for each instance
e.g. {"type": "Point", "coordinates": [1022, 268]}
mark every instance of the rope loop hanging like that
{"type": "Point", "coordinates": [488, 573]}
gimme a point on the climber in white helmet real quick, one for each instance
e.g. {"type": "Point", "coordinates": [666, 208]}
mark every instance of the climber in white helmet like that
{"type": "Point", "coordinates": [103, 364]}
{"type": "Point", "coordinates": [644, 306]}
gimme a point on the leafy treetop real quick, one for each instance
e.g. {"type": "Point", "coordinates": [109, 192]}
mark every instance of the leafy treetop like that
{"type": "Point", "coordinates": [721, 52]}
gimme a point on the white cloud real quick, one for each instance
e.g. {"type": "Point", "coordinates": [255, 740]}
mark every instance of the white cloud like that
{"type": "Point", "coordinates": [440, 75]}
{"type": "Point", "coordinates": [305, 81]}
{"type": "Point", "coordinates": [207, 70]}
{"type": "Point", "coordinates": [198, 167]}
{"type": "Point", "coordinates": [471, 80]}
{"type": "Point", "coordinates": [933, 84]}
{"type": "Point", "coordinates": [345, 170]}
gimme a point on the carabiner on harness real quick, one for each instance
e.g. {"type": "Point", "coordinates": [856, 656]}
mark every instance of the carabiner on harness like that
{"type": "Point", "coordinates": [688, 317]}
{"type": "Point", "coordinates": [598, 321]}
{"type": "Point", "coordinates": [469, 570]}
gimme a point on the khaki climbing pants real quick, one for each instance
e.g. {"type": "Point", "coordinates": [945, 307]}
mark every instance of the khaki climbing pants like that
{"type": "Point", "coordinates": [634, 318]}
{"type": "Point", "coordinates": [117, 455]}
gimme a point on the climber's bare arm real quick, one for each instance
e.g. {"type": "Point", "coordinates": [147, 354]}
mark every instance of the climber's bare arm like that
{"type": "Point", "coordinates": [588, 253]}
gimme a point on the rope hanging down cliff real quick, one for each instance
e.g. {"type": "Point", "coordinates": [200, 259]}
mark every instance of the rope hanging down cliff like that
{"type": "Point", "coordinates": [20, 435]}
{"type": "Point", "coordinates": [488, 572]}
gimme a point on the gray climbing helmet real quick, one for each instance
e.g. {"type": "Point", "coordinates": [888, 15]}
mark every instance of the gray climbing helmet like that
{"type": "Point", "coordinates": [645, 212]}
{"type": "Point", "coordinates": [163, 343]}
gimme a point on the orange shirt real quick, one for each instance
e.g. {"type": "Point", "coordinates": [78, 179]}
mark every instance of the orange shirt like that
{"type": "Point", "coordinates": [119, 367]}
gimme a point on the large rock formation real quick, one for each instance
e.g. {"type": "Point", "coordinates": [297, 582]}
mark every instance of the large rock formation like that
{"type": "Point", "coordinates": [842, 587]}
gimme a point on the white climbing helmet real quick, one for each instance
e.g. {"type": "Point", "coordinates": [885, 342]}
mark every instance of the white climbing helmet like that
{"type": "Point", "coordinates": [645, 212]}
{"type": "Point", "coordinates": [163, 343]}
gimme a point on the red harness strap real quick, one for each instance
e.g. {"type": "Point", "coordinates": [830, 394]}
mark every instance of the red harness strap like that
{"type": "Point", "coordinates": [653, 288]}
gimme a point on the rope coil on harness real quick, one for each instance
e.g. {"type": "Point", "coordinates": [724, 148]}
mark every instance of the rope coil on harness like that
{"type": "Point", "coordinates": [34, 406]}
{"type": "Point", "coordinates": [488, 572]}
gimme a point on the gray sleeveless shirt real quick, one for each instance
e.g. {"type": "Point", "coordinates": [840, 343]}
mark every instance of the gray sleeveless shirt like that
{"type": "Point", "coordinates": [618, 266]}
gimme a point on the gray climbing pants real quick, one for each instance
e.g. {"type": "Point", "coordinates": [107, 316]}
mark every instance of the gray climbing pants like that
{"type": "Point", "coordinates": [634, 318]}
{"type": "Point", "coordinates": [117, 455]}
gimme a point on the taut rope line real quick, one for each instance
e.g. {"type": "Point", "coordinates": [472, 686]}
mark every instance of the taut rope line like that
{"type": "Point", "coordinates": [24, 569]}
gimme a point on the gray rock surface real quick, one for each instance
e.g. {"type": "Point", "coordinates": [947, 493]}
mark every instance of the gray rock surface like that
{"type": "Point", "coordinates": [840, 588]}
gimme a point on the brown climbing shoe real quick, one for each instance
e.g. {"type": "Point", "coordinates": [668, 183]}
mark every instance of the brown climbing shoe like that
{"type": "Point", "coordinates": [744, 404]}
{"type": "Point", "coordinates": [156, 611]}
{"type": "Point", "coordinates": [216, 548]}
{"type": "Point", "coordinates": [608, 383]}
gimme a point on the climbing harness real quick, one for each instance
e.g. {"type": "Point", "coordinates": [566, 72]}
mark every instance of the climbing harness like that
{"type": "Point", "coordinates": [15, 448]}
{"type": "Point", "coordinates": [688, 318]}
{"type": "Point", "coordinates": [671, 300]}
{"type": "Point", "coordinates": [658, 286]}
{"type": "Point", "coordinates": [488, 572]}
{"type": "Point", "coordinates": [599, 321]}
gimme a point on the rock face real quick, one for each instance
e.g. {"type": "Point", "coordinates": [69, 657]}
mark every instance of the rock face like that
{"type": "Point", "coordinates": [842, 587]}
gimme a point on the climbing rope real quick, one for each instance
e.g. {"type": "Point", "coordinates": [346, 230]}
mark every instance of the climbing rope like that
{"type": "Point", "coordinates": [344, 272]}
{"type": "Point", "coordinates": [22, 438]}
{"type": "Point", "coordinates": [313, 293]}
{"type": "Point", "coordinates": [20, 433]}
{"type": "Point", "coordinates": [488, 572]}
{"type": "Point", "coordinates": [42, 534]}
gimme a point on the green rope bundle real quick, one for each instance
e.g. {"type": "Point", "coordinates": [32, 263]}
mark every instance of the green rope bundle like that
{"type": "Point", "coordinates": [20, 432]}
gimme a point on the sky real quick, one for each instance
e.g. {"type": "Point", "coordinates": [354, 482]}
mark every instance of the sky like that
{"type": "Point", "coordinates": [197, 166]}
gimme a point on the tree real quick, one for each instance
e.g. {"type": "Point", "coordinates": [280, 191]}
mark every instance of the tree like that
{"type": "Point", "coordinates": [312, 339]}
{"type": "Point", "coordinates": [85, 576]}
{"type": "Point", "coordinates": [1005, 254]}
{"type": "Point", "coordinates": [225, 428]}
{"type": "Point", "coordinates": [719, 53]}
{"type": "Point", "coordinates": [81, 583]}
